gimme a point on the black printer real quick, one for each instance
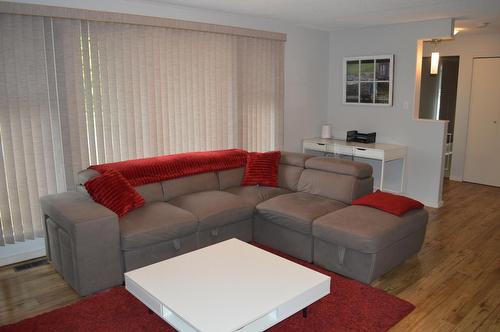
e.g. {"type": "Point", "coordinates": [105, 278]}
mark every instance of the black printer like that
{"type": "Point", "coordinates": [354, 136]}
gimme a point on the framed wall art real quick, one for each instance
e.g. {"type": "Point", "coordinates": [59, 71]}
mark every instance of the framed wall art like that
{"type": "Point", "coordinates": [368, 80]}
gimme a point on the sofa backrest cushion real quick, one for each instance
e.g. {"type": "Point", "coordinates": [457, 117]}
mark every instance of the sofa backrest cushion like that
{"type": "Point", "coordinates": [189, 184]}
{"type": "Point", "coordinates": [152, 192]}
{"type": "Point", "coordinates": [86, 174]}
{"type": "Point", "coordinates": [291, 166]}
{"type": "Point", "coordinates": [230, 178]}
{"type": "Point", "coordinates": [338, 179]}
{"type": "Point", "coordinates": [288, 176]}
{"type": "Point", "coordinates": [340, 166]}
{"type": "Point", "coordinates": [294, 159]}
{"type": "Point", "coordinates": [340, 187]}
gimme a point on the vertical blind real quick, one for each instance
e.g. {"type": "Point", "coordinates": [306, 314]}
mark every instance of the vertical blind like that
{"type": "Point", "coordinates": [79, 92]}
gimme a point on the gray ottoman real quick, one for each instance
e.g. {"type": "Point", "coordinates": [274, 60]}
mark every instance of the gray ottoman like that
{"type": "Point", "coordinates": [363, 243]}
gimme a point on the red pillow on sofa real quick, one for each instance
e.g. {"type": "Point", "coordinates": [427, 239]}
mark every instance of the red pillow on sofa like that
{"type": "Point", "coordinates": [395, 204]}
{"type": "Point", "coordinates": [262, 169]}
{"type": "Point", "coordinates": [113, 191]}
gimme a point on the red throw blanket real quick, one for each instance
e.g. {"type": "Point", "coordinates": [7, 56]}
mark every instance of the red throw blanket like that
{"type": "Point", "coordinates": [148, 170]}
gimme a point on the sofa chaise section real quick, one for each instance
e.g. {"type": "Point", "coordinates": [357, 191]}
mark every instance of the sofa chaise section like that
{"type": "Point", "coordinates": [363, 243]}
{"type": "Point", "coordinates": [323, 185]}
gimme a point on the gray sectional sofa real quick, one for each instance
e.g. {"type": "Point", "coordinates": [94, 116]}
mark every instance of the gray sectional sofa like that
{"type": "Point", "coordinates": [308, 216]}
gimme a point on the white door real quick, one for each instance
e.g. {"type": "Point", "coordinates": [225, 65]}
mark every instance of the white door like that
{"type": "Point", "coordinates": [482, 157]}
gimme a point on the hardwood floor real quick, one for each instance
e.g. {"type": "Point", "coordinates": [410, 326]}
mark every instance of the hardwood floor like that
{"type": "Point", "coordinates": [454, 281]}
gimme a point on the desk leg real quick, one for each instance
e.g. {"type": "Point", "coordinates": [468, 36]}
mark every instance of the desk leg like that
{"type": "Point", "coordinates": [403, 173]}
{"type": "Point", "coordinates": [382, 175]}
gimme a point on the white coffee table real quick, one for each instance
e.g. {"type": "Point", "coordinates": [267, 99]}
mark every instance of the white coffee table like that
{"type": "Point", "coordinates": [228, 286]}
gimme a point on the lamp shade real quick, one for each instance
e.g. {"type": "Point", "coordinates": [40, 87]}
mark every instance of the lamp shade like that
{"type": "Point", "coordinates": [326, 131]}
{"type": "Point", "coordinates": [434, 63]}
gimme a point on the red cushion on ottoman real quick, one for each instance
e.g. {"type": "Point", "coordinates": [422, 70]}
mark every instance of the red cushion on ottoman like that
{"type": "Point", "coordinates": [395, 204]}
{"type": "Point", "coordinates": [262, 169]}
{"type": "Point", "coordinates": [113, 191]}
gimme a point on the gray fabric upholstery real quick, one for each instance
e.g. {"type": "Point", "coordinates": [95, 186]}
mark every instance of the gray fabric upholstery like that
{"type": "Point", "coordinates": [297, 210]}
{"type": "Point", "coordinates": [215, 208]}
{"type": "Point", "coordinates": [88, 241]}
{"type": "Point", "coordinates": [86, 174]}
{"type": "Point", "coordinates": [334, 186]}
{"type": "Point", "coordinates": [363, 243]}
{"type": "Point", "coordinates": [189, 184]}
{"type": "Point", "coordinates": [152, 192]}
{"type": "Point", "coordinates": [230, 178]}
{"type": "Point", "coordinates": [294, 158]}
{"type": "Point", "coordinates": [256, 194]}
{"type": "Point", "coordinates": [241, 230]}
{"type": "Point", "coordinates": [81, 189]}
{"type": "Point", "coordinates": [67, 255]}
{"type": "Point", "coordinates": [153, 223]}
{"type": "Point", "coordinates": [340, 166]}
{"type": "Point", "coordinates": [366, 267]}
{"type": "Point", "coordinates": [70, 209]}
{"type": "Point", "coordinates": [283, 238]}
{"type": "Point", "coordinates": [288, 176]}
{"type": "Point", "coordinates": [361, 188]}
{"type": "Point", "coordinates": [52, 245]}
{"type": "Point", "coordinates": [143, 256]}
{"type": "Point", "coordinates": [367, 229]}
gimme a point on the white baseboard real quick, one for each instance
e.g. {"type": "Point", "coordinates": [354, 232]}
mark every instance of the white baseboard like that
{"type": "Point", "coordinates": [456, 178]}
{"type": "Point", "coordinates": [433, 204]}
{"type": "Point", "coordinates": [22, 251]}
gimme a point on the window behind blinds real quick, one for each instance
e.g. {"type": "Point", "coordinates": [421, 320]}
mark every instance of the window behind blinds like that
{"type": "Point", "coordinates": [77, 92]}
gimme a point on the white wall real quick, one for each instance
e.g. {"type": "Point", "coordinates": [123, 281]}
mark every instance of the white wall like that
{"type": "Point", "coordinates": [396, 124]}
{"type": "Point", "coordinates": [467, 46]}
{"type": "Point", "coordinates": [306, 57]}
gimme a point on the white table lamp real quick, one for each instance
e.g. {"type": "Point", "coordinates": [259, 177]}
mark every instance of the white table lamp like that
{"type": "Point", "coordinates": [326, 131]}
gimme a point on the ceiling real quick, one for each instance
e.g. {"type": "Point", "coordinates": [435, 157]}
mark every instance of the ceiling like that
{"type": "Point", "coordinates": [342, 14]}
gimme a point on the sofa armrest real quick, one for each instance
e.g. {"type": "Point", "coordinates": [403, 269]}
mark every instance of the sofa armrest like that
{"type": "Point", "coordinates": [83, 241]}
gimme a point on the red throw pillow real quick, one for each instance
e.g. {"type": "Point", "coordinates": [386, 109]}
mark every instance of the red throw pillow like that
{"type": "Point", "coordinates": [395, 204]}
{"type": "Point", "coordinates": [113, 191]}
{"type": "Point", "coordinates": [262, 169]}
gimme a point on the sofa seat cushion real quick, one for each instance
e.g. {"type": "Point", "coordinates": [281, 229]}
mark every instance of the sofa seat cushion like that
{"type": "Point", "coordinates": [297, 210]}
{"type": "Point", "coordinates": [153, 223]}
{"type": "Point", "coordinates": [215, 208]}
{"type": "Point", "coordinates": [366, 229]}
{"type": "Point", "coordinates": [256, 194]}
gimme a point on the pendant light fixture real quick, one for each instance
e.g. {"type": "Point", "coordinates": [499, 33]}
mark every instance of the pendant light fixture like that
{"type": "Point", "coordinates": [435, 58]}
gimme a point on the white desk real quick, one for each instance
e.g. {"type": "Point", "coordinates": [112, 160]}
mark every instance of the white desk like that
{"type": "Point", "coordinates": [377, 151]}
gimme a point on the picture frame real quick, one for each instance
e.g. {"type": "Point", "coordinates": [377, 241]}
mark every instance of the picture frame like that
{"type": "Point", "coordinates": [368, 80]}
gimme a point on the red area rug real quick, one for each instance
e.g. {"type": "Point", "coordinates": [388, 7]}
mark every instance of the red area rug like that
{"type": "Point", "coordinates": [351, 306]}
